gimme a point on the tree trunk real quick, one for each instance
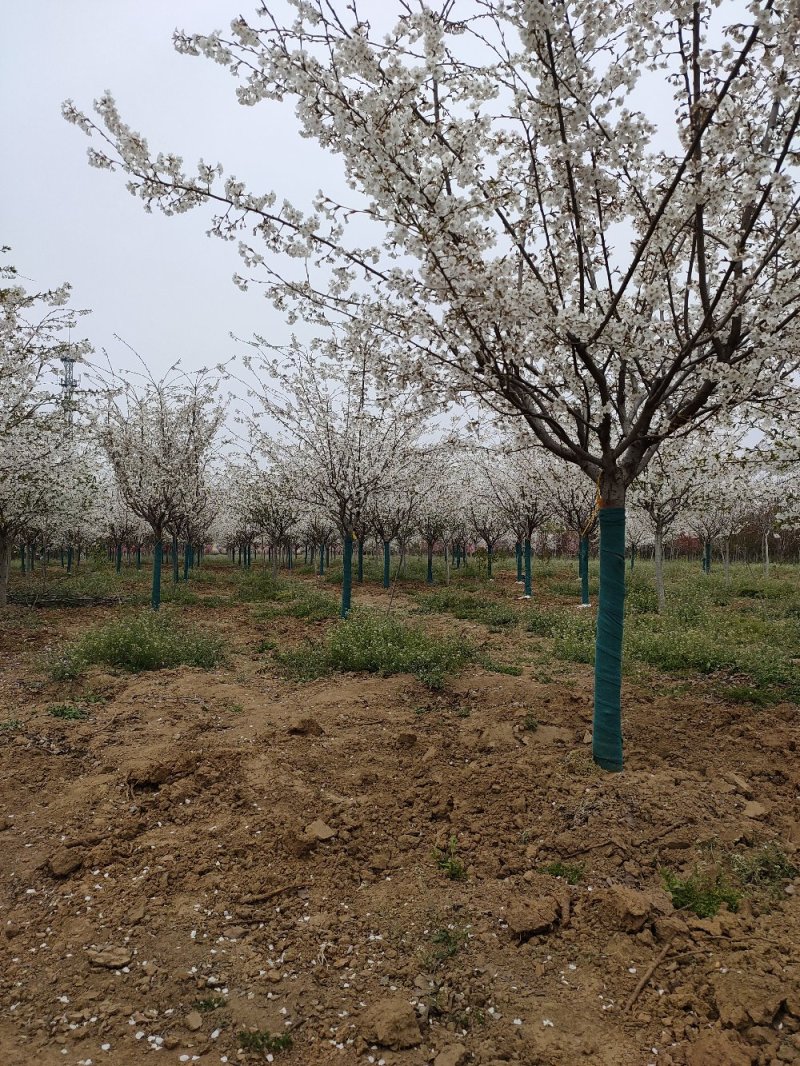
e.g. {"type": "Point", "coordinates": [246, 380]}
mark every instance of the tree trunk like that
{"type": "Point", "coordinates": [488, 559]}
{"type": "Point", "coordinates": [658, 549]}
{"type": "Point", "coordinates": [155, 595]}
{"type": "Point", "coordinates": [584, 569]}
{"type": "Point", "coordinates": [429, 575]}
{"type": "Point", "coordinates": [607, 728]}
{"type": "Point", "coordinates": [387, 554]}
{"type": "Point", "coordinates": [766, 555]}
{"type": "Point", "coordinates": [726, 559]}
{"type": "Point", "coordinates": [347, 576]}
{"type": "Point", "coordinates": [119, 558]}
{"type": "Point", "coordinates": [528, 568]}
{"type": "Point", "coordinates": [321, 559]}
{"type": "Point", "coordinates": [518, 552]}
{"type": "Point", "coordinates": [361, 560]}
{"type": "Point", "coordinates": [446, 565]}
{"type": "Point", "coordinates": [707, 557]}
{"type": "Point", "coordinates": [273, 551]}
{"type": "Point", "coordinates": [5, 565]}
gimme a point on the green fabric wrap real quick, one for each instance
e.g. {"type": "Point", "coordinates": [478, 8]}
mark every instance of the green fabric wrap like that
{"type": "Point", "coordinates": [607, 730]}
{"type": "Point", "coordinates": [584, 569]}
{"type": "Point", "coordinates": [347, 576]}
{"type": "Point", "coordinates": [386, 563]}
{"type": "Point", "coordinates": [155, 596]}
{"type": "Point", "coordinates": [518, 550]}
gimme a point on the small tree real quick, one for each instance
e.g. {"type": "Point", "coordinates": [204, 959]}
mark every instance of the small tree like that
{"type": "Point", "coordinates": [157, 438]}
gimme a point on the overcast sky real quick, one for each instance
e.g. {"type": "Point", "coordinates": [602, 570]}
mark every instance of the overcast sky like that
{"type": "Point", "coordinates": [159, 282]}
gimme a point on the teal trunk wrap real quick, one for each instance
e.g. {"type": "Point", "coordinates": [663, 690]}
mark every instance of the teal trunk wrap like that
{"type": "Point", "coordinates": [347, 576]}
{"type": "Point", "coordinates": [584, 568]}
{"type": "Point", "coordinates": [155, 595]}
{"type": "Point", "coordinates": [386, 563]}
{"type": "Point", "coordinates": [607, 730]}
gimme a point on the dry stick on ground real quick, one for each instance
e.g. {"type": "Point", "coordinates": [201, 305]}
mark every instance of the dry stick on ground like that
{"type": "Point", "coordinates": [263, 897]}
{"type": "Point", "coordinates": [651, 969]}
{"type": "Point", "coordinates": [625, 847]}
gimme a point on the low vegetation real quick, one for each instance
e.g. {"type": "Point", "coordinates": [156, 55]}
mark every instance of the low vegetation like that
{"type": "Point", "coordinates": [374, 642]}
{"type": "Point", "coordinates": [146, 641]}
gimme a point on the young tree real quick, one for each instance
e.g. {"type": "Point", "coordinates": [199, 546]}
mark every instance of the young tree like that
{"type": "Point", "coordinates": [665, 492]}
{"type": "Point", "coordinates": [542, 238]}
{"type": "Point", "coordinates": [349, 442]}
{"type": "Point", "coordinates": [157, 439]}
{"type": "Point", "coordinates": [573, 502]}
{"type": "Point", "coordinates": [517, 483]}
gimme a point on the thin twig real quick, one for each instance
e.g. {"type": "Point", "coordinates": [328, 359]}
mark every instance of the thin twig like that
{"type": "Point", "coordinates": [651, 969]}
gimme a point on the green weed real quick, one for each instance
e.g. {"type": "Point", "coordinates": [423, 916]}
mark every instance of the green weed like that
{"type": "Point", "coordinates": [767, 867]}
{"type": "Point", "coordinates": [68, 711]}
{"type": "Point", "coordinates": [495, 667]}
{"type": "Point", "coordinates": [373, 642]}
{"type": "Point", "coordinates": [449, 940]}
{"type": "Point", "coordinates": [702, 893]}
{"type": "Point", "coordinates": [261, 1040]}
{"type": "Point", "coordinates": [210, 1003]}
{"type": "Point", "coordinates": [147, 641]}
{"type": "Point", "coordinates": [449, 861]}
{"type": "Point", "coordinates": [571, 872]}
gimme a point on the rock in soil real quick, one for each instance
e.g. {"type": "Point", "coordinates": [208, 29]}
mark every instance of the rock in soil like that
{"type": "Point", "coordinates": [392, 1023]}
{"type": "Point", "coordinates": [64, 862]}
{"type": "Point", "coordinates": [713, 1048]}
{"type": "Point", "coordinates": [110, 957]}
{"type": "Point", "coordinates": [528, 918]}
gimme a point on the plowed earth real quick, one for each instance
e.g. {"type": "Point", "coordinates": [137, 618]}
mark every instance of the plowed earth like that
{"type": "Point", "coordinates": [217, 852]}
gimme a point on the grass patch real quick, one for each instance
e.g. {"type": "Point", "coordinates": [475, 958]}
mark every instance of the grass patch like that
{"type": "Point", "coordinates": [210, 1003]}
{"type": "Point", "coordinates": [767, 867]}
{"type": "Point", "coordinates": [148, 641]}
{"type": "Point", "coordinates": [571, 872]}
{"type": "Point", "coordinates": [69, 712]}
{"type": "Point", "coordinates": [375, 643]}
{"type": "Point", "coordinates": [470, 607]}
{"type": "Point", "coordinates": [261, 1040]}
{"type": "Point", "coordinates": [495, 667]}
{"type": "Point", "coordinates": [447, 941]}
{"type": "Point", "coordinates": [702, 893]}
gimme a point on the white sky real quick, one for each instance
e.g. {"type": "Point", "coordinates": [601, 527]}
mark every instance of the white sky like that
{"type": "Point", "coordinates": [159, 282]}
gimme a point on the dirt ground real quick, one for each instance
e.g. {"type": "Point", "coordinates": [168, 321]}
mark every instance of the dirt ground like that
{"type": "Point", "coordinates": [221, 852]}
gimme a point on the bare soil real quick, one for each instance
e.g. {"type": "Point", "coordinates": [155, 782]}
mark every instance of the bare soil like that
{"type": "Point", "coordinates": [217, 852]}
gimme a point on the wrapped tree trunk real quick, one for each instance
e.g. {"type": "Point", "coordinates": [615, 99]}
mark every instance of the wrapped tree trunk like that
{"type": "Point", "coordinates": [155, 595]}
{"type": "Point", "coordinates": [607, 728]}
{"type": "Point", "coordinates": [583, 553]}
{"type": "Point", "coordinates": [347, 575]}
{"type": "Point", "coordinates": [528, 568]}
{"type": "Point", "coordinates": [386, 563]}
{"type": "Point", "coordinates": [658, 553]}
